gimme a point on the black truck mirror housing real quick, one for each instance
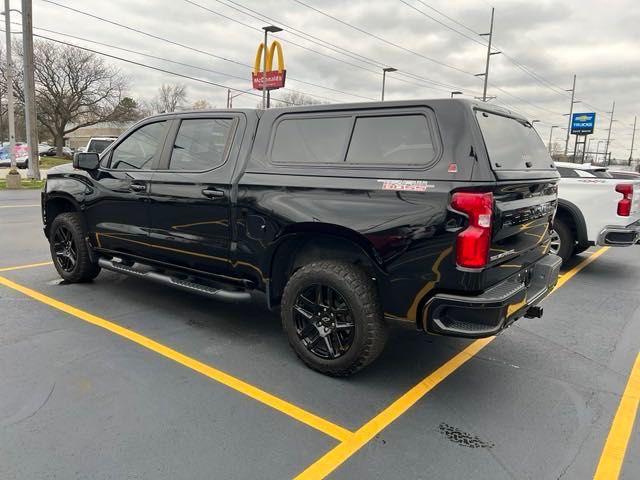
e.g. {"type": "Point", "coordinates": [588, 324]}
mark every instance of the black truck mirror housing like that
{"type": "Point", "coordinates": [86, 160]}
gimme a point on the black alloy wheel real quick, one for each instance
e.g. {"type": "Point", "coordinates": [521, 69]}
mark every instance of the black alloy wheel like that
{"type": "Point", "coordinates": [324, 321]}
{"type": "Point", "coordinates": [65, 248]}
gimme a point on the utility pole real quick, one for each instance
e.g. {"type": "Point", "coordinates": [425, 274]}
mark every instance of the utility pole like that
{"type": "Point", "coordinates": [606, 151]}
{"type": "Point", "coordinates": [384, 78]}
{"type": "Point", "coordinates": [489, 53]}
{"type": "Point", "coordinates": [30, 90]}
{"type": "Point", "coordinates": [633, 138]}
{"type": "Point", "coordinates": [573, 95]}
{"type": "Point", "coordinates": [13, 178]}
{"type": "Point", "coordinates": [551, 137]}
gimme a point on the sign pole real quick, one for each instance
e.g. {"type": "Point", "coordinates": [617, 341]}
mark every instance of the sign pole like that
{"type": "Point", "coordinates": [264, 72]}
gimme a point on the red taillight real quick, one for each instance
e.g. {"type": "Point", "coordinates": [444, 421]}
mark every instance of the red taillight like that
{"type": "Point", "coordinates": [472, 244]}
{"type": "Point", "coordinates": [624, 205]}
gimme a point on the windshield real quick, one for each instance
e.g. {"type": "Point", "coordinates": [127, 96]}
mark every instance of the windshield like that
{"type": "Point", "coordinates": [512, 144]}
{"type": "Point", "coordinates": [98, 146]}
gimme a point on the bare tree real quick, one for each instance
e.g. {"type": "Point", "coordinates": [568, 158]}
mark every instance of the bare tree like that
{"type": "Point", "coordinates": [74, 89]}
{"type": "Point", "coordinates": [201, 104]}
{"type": "Point", "coordinates": [169, 98]}
{"type": "Point", "coordinates": [294, 98]}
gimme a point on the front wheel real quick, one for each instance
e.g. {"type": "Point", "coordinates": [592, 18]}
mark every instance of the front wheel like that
{"type": "Point", "coordinates": [332, 317]}
{"type": "Point", "coordinates": [69, 250]}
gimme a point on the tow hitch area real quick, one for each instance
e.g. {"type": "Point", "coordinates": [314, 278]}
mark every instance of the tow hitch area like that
{"type": "Point", "coordinates": [534, 312]}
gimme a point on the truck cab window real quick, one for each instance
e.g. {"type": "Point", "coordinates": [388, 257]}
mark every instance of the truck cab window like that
{"type": "Point", "coordinates": [138, 150]}
{"type": "Point", "coordinates": [200, 144]}
{"type": "Point", "coordinates": [391, 140]}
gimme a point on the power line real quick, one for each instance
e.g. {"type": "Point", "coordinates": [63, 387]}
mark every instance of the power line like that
{"type": "Point", "coordinates": [175, 62]}
{"type": "Point", "coordinates": [529, 71]}
{"type": "Point", "coordinates": [169, 72]}
{"type": "Point", "coordinates": [448, 17]}
{"type": "Point", "coordinates": [384, 40]}
{"type": "Point", "coordinates": [188, 47]}
{"type": "Point", "coordinates": [475, 40]}
{"type": "Point", "coordinates": [323, 43]}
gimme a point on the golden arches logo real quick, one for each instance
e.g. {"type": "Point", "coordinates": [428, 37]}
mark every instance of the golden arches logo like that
{"type": "Point", "coordinates": [274, 48]}
{"type": "Point", "coordinates": [272, 78]}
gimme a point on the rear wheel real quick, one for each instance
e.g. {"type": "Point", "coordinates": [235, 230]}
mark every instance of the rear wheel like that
{"type": "Point", "coordinates": [69, 250]}
{"type": "Point", "coordinates": [562, 240]}
{"type": "Point", "coordinates": [332, 317]}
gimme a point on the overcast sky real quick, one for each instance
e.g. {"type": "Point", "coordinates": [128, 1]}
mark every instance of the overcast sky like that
{"type": "Point", "coordinates": [598, 41]}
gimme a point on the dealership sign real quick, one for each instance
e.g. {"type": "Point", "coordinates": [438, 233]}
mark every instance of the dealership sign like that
{"type": "Point", "coordinates": [272, 78]}
{"type": "Point", "coordinates": [582, 123]}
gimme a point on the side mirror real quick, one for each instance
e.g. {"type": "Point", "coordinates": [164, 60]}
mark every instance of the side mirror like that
{"type": "Point", "coordinates": [86, 160]}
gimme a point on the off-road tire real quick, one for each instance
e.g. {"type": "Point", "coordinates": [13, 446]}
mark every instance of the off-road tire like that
{"type": "Point", "coordinates": [359, 291]}
{"type": "Point", "coordinates": [567, 239]}
{"type": "Point", "coordinates": [85, 270]}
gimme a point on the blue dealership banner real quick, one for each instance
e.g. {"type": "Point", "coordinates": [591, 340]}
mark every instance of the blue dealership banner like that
{"type": "Point", "coordinates": [582, 123]}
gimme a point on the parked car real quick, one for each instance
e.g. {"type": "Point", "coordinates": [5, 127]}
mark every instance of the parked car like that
{"type": "Point", "coordinates": [46, 150]}
{"type": "Point", "coordinates": [67, 152]}
{"type": "Point", "coordinates": [98, 144]}
{"type": "Point", "coordinates": [624, 174]}
{"type": "Point", "coordinates": [21, 151]}
{"type": "Point", "coordinates": [595, 207]}
{"type": "Point", "coordinates": [433, 213]}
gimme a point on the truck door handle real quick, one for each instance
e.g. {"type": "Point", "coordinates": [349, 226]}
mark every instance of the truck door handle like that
{"type": "Point", "coordinates": [137, 187]}
{"type": "Point", "coordinates": [212, 193]}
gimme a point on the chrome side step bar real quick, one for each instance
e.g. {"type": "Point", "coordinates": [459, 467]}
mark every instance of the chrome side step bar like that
{"type": "Point", "coordinates": [186, 285]}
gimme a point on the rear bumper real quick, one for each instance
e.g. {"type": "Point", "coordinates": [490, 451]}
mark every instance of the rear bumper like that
{"type": "Point", "coordinates": [487, 314]}
{"type": "Point", "coordinates": [617, 236]}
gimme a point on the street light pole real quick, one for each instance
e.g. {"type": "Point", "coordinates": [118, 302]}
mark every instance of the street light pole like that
{"type": "Point", "coordinates": [384, 77]}
{"type": "Point", "coordinates": [267, 29]}
{"type": "Point", "coordinates": [551, 137]}
{"type": "Point", "coordinates": [30, 91]}
{"type": "Point", "coordinates": [10, 111]}
{"type": "Point", "coordinates": [573, 95]}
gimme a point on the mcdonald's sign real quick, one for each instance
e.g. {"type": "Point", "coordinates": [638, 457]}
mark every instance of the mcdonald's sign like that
{"type": "Point", "coordinates": [274, 78]}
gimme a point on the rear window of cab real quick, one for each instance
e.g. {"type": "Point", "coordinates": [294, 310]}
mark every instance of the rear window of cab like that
{"type": "Point", "coordinates": [355, 139]}
{"type": "Point", "coordinates": [512, 144]}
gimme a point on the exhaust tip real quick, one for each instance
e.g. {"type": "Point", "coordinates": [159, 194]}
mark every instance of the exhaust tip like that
{"type": "Point", "coordinates": [534, 312]}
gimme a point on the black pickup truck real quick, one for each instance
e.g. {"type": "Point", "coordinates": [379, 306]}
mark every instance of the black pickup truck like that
{"type": "Point", "coordinates": [347, 217]}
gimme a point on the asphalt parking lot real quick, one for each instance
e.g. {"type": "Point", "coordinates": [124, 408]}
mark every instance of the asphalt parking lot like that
{"type": "Point", "coordinates": [126, 379]}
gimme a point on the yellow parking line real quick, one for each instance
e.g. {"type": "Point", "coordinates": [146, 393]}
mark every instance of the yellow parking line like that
{"type": "Point", "coordinates": [565, 277]}
{"type": "Point", "coordinates": [245, 388]}
{"type": "Point", "coordinates": [20, 206]}
{"type": "Point", "coordinates": [21, 267]}
{"type": "Point", "coordinates": [618, 439]}
{"type": "Point", "coordinates": [344, 450]}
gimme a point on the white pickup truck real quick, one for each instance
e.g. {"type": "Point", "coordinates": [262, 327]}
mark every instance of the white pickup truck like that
{"type": "Point", "coordinates": [594, 208]}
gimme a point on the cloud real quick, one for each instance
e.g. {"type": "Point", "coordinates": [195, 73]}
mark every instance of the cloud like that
{"type": "Point", "coordinates": [598, 41]}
